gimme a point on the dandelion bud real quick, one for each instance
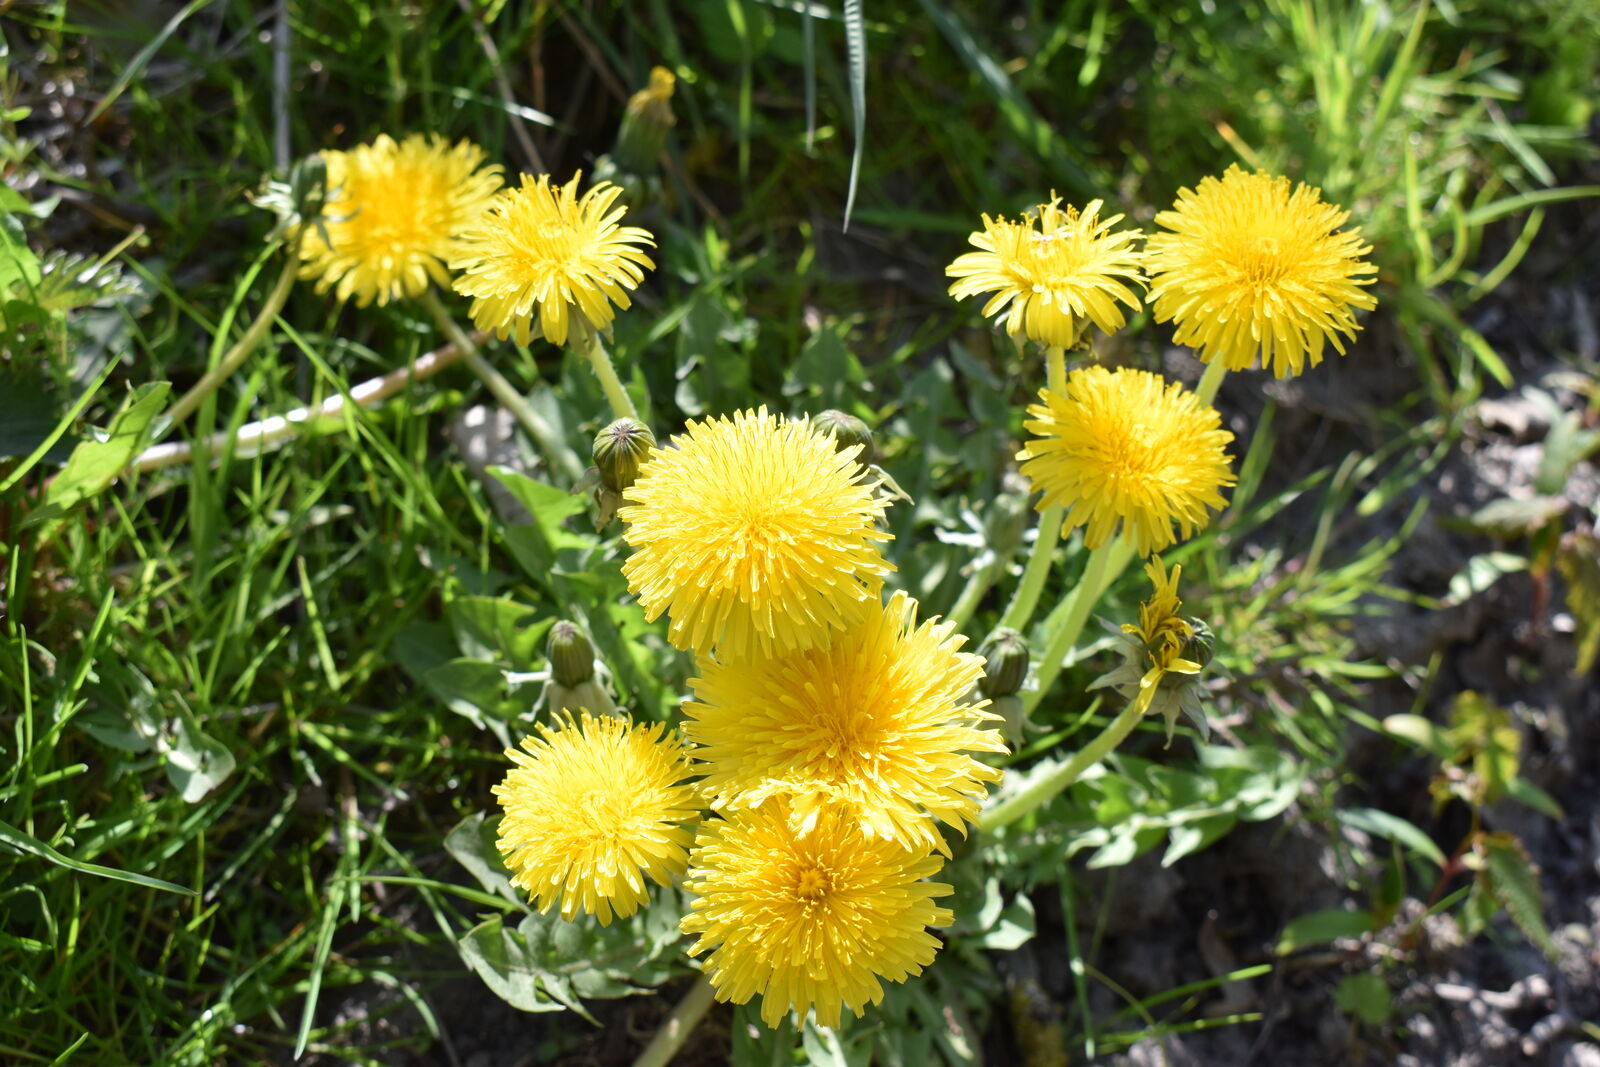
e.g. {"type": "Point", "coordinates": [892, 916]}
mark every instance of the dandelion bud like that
{"type": "Point", "coordinates": [1005, 656]}
{"type": "Point", "coordinates": [846, 430]}
{"type": "Point", "coordinates": [1201, 643]}
{"type": "Point", "coordinates": [645, 124]}
{"type": "Point", "coordinates": [619, 449]}
{"type": "Point", "coordinates": [571, 655]}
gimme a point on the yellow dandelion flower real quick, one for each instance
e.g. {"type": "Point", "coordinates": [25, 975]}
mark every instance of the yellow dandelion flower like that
{"type": "Point", "coordinates": [1163, 655]}
{"type": "Point", "coordinates": [1253, 268]}
{"type": "Point", "coordinates": [544, 247]}
{"type": "Point", "coordinates": [392, 213]}
{"type": "Point", "coordinates": [755, 536]}
{"type": "Point", "coordinates": [1125, 446]}
{"type": "Point", "coordinates": [876, 722]}
{"type": "Point", "coordinates": [1051, 272]}
{"type": "Point", "coordinates": [591, 807]}
{"type": "Point", "coordinates": [815, 918]}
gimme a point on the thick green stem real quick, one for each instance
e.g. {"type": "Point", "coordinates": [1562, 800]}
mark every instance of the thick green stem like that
{"type": "Point", "coordinates": [1064, 625]}
{"type": "Point", "coordinates": [679, 1025]}
{"type": "Point", "coordinates": [1210, 380]}
{"type": "Point", "coordinates": [978, 584]}
{"type": "Point", "coordinates": [506, 393]}
{"type": "Point", "coordinates": [243, 348]}
{"type": "Point", "coordinates": [1037, 569]}
{"type": "Point", "coordinates": [1015, 807]}
{"type": "Point", "coordinates": [600, 360]}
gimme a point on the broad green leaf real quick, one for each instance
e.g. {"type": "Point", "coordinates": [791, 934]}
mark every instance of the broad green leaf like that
{"type": "Point", "coordinates": [1483, 732]}
{"type": "Point", "coordinates": [1321, 927]}
{"type": "Point", "coordinates": [547, 963]}
{"type": "Point", "coordinates": [493, 628]}
{"type": "Point", "coordinates": [537, 544]}
{"type": "Point", "coordinates": [1365, 996]}
{"type": "Point", "coordinates": [19, 267]}
{"type": "Point", "coordinates": [1510, 519]}
{"type": "Point", "coordinates": [1514, 882]}
{"type": "Point", "coordinates": [1480, 573]}
{"type": "Point", "coordinates": [1192, 837]}
{"type": "Point", "coordinates": [32, 846]}
{"type": "Point", "coordinates": [1525, 792]}
{"type": "Point", "coordinates": [472, 843]}
{"type": "Point", "coordinates": [1012, 928]}
{"type": "Point", "coordinates": [504, 960]}
{"type": "Point", "coordinates": [197, 763]}
{"type": "Point", "coordinates": [95, 463]}
{"type": "Point", "coordinates": [1567, 445]}
{"type": "Point", "coordinates": [1392, 828]}
{"type": "Point", "coordinates": [28, 416]}
{"type": "Point", "coordinates": [1424, 733]}
{"type": "Point", "coordinates": [1578, 560]}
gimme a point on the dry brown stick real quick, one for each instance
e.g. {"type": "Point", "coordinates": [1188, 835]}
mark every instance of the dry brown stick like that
{"type": "Point", "coordinates": [263, 436]}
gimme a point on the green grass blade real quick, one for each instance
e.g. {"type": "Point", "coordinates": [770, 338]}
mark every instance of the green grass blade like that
{"type": "Point", "coordinates": [31, 845]}
{"type": "Point", "coordinates": [855, 37]}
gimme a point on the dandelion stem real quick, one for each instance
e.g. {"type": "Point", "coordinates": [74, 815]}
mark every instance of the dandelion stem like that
{"type": "Point", "coordinates": [1015, 807]}
{"type": "Point", "coordinates": [506, 393]}
{"type": "Point", "coordinates": [679, 1025]}
{"type": "Point", "coordinates": [978, 584]}
{"type": "Point", "coordinates": [1026, 597]}
{"type": "Point", "coordinates": [1064, 625]}
{"type": "Point", "coordinates": [1206, 391]}
{"type": "Point", "coordinates": [600, 360]}
{"type": "Point", "coordinates": [257, 332]}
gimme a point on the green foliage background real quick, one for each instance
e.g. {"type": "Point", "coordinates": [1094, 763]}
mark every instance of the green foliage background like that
{"type": "Point", "coordinates": [279, 683]}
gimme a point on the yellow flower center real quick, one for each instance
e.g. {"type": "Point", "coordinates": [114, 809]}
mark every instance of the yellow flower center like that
{"type": "Point", "coordinates": [813, 884]}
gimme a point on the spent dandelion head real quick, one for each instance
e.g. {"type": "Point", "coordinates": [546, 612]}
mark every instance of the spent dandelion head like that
{"type": "Point", "coordinates": [1124, 446]}
{"type": "Point", "coordinates": [755, 536]}
{"type": "Point", "coordinates": [1252, 267]}
{"type": "Point", "coordinates": [390, 215]}
{"type": "Point", "coordinates": [876, 722]}
{"type": "Point", "coordinates": [1163, 655]}
{"type": "Point", "coordinates": [1051, 272]}
{"type": "Point", "coordinates": [592, 807]}
{"type": "Point", "coordinates": [542, 248]}
{"type": "Point", "coordinates": [814, 917]}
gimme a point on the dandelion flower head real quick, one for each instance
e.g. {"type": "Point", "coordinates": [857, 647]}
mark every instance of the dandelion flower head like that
{"type": "Point", "coordinates": [809, 918]}
{"type": "Point", "coordinates": [1124, 446]}
{"type": "Point", "coordinates": [877, 723]}
{"type": "Point", "coordinates": [544, 248]}
{"type": "Point", "coordinates": [392, 214]}
{"type": "Point", "coordinates": [1050, 272]}
{"type": "Point", "coordinates": [755, 535]}
{"type": "Point", "coordinates": [592, 807]}
{"type": "Point", "coordinates": [1252, 267]}
{"type": "Point", "coordinates": [1163, 655]}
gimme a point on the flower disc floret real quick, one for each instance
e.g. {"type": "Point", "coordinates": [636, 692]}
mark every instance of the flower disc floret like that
{"type": "Point", "coordinates": [1050, 272]}
{"type": "Point", "coordinates": [814, 918]}
{"type": "Point", "coordinates": [392, 214]}
{"type": "Point", "coordinates": [877, 723]}
{"type": "Point", "coordinates": [1124, 446]}
{"type": "Point", "coordinates": [1252, 267]}
{"type": "Point", "coordinates": [756, 537]}
{"type": "Point", "coordinates": [592, 807]}
{"type": "Point", "coordinates": [543, 248]}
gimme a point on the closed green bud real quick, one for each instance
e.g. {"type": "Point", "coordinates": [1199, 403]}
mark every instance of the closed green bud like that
{"type": "Point", "coordinates": [619, 449]}
{"type": "Point", "coordinates": [571, 655]}
{"type": "Point", "coordinates": [645, 124]}
{"type": "Point", "coordinates": [846, 431]}
{"type": "Point", "coordinates": [1005, 656]}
